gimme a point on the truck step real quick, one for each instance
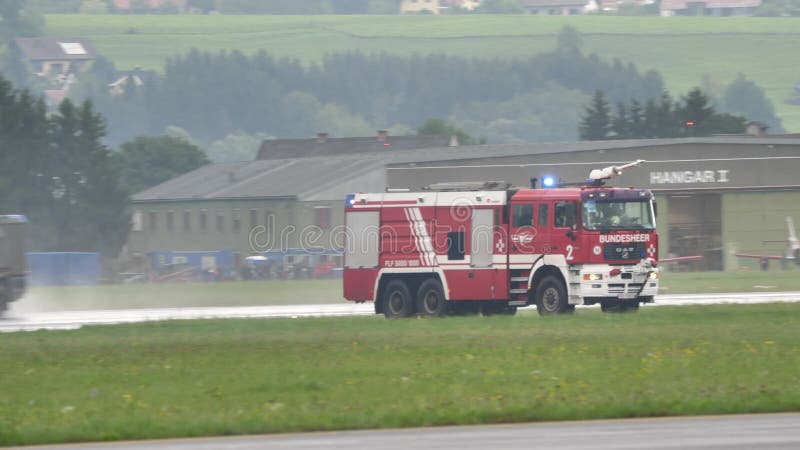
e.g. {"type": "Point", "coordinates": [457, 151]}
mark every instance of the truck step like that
{"type": "Point", "coordinates": [517, 303]}
{"type": "Point", "coordinates": [518, 291]}
{"type": "Point", "coordinates": [518, 279]}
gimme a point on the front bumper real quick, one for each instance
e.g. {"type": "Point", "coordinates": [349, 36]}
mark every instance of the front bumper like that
{"type": "Point", "coordinates": [634, 282]}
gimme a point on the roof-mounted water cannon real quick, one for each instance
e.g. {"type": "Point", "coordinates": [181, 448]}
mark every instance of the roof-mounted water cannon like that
{"type": "Point", "coordinates": [596, 176]}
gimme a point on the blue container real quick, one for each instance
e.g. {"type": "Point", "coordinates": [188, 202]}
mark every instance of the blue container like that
{"type": "Point", "coordinates": [63, 268]}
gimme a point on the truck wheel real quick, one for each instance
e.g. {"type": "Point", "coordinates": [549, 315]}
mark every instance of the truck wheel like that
{"type": "Point", "coordinates": [551, 297]}
{"type": "Point", "coordinates": [430, 299]}
{"type": "Point", "coordinates": [397, 301]}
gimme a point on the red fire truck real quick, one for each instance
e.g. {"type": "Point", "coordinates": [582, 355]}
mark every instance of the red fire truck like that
{"type": "Point", "coordinates": [490, 248]}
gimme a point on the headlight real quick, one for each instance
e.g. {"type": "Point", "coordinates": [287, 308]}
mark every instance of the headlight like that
{"type": "Point", "coordinates": [653, 275]}
{"type": "Point", "coordinates": [592, 276]}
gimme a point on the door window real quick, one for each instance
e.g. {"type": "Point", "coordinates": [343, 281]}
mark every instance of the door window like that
{"type": "Point", "coordinates": [523, 216]}
{"type": "Point", "coordinates": [566, 214]}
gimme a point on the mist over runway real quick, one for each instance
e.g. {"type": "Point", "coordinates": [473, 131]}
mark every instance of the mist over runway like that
{"type": "Point", "coordinates": [23, 318]}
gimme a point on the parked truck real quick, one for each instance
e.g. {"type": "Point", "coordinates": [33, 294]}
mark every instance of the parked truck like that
{"type": "Point", "coordinates": [12, 259]}
{"type": "Point", "coordinates": [489, 247]}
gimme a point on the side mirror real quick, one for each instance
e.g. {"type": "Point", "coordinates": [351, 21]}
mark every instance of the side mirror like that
{"type": "Point", "coordinates": [655, 208]}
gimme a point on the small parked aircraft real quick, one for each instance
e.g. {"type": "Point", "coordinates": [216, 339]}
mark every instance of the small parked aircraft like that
{"type": "Point", "coordinates": [792, 249]}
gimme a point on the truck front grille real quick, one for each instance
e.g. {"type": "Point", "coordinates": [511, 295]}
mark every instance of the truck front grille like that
{"type": "Point", "coordinates": [633, 250]}
{"type": "Point", "coordinates": [623, 288]}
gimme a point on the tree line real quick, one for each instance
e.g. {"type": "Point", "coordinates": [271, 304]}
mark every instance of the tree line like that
{"type": "Point", "coordinates": [694, 115]}
{"type": "Point", "coordinates": [56, 170]}
{"type": "Point", "coordinates": [75, 191]}
{"type": "Point", "coordinates": [212, 95]}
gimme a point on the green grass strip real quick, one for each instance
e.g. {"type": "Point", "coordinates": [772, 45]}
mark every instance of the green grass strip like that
{"type": "Point", "coordinates": [200, 378]}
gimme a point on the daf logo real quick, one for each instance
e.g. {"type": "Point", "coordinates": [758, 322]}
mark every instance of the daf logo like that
{"type": "Point", "coordinates": [625, 252]}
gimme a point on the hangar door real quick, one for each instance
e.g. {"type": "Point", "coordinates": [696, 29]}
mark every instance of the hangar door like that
{"type": "Point", "coordinates": [695, 228]}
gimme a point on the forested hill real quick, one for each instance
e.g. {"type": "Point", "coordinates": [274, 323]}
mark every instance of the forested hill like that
{"type": "Point", "coordinates": [211, 95]}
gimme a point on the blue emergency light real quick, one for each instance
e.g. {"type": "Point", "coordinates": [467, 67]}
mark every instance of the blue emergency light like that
{"type": "Point", "coordinates": [548, 182]}
{"type": "Point", "coordinates": [349, 200]}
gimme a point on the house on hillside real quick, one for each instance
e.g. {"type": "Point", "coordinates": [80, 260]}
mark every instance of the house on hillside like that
{"type": "Point", "coordinates": [709, 7]}
{"type": "Point", "coordinates": [129, 5]}
{"type": "Point", "coordinates": [324, 145]}
{"type": "Point", "coordinates": [613, 6]}
{"type": "Point", "coordinates": [469, 5]}
{"type": "Point", "coordinates": [55, 57]}
{"type": "Point", "coordinates": [419, 6]}
{"type": "Point", "coordinates": [554, 7]}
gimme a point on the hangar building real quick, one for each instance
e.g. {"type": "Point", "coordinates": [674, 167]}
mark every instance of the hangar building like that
{"type": "Point", "coordinates": [716, 196]}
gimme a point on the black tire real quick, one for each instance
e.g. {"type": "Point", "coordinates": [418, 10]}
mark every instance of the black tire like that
{"type": "Point", "coordinates": [430, 299]}
{"type": "Point", "coordinates": [397, 301]}
{"type": "Point", "coordinates": [551, 297]}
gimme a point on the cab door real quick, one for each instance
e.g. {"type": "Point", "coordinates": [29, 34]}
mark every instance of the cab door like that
{"type": "Point", "coordinates": [562, 229]}
{"type": "Point", "coordinates": [522, 231]}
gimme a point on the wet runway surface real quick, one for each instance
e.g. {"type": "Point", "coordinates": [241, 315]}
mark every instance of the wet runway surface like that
{"type": "Point", "coordinates": [761, 431]}
{"type": "Point", "coordinates": [63, 320]}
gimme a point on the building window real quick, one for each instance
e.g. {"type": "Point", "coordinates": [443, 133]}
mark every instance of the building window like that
{"type": "Point", "coordinates": [237, 221]}
{"type": "Point", "coordinates": [153, 220]}
{"type": "Point", "coordinates": [220, 221]}
{"type": "Point", "coordinates": [202, 219]}
{"type": "Point", "coordinates": [136, 221]}
{"type": "Point", "coordinates": [170, 220]}
{"type": "Point", "coordinates": [323, 214]}
{"type": "Point", "coordinates": [187, 220]}
{"type": "Point", "coordinates": [253, 218]}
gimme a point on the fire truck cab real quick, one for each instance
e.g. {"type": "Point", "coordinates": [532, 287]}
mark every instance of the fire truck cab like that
{"type": "Point", "coordinates": [490, 248]}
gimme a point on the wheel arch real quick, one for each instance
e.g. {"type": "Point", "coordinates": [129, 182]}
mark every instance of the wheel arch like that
{"type": "Point", "coordinates": [412, 279]}
{"type": "Point", "coordinates": [544, 267]}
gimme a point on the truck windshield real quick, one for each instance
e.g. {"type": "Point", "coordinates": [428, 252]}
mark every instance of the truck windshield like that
{"type": "Point", "coordinates": [630, 215]}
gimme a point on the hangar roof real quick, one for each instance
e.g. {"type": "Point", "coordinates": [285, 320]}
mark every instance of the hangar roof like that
{"type": "Point", "coordinates": [331, 178]}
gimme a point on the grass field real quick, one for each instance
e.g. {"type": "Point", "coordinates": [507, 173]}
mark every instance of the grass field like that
{"type": "Point", "coordinates": [329, 291]}
{"type": "Point", "coordinates": [282, 375]}
{"type": "Point", "coordinates": [683, 49]}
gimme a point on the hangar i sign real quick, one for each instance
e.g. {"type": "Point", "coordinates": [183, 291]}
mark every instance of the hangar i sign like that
{"type": "Point", "coordinates": [690, 176]}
